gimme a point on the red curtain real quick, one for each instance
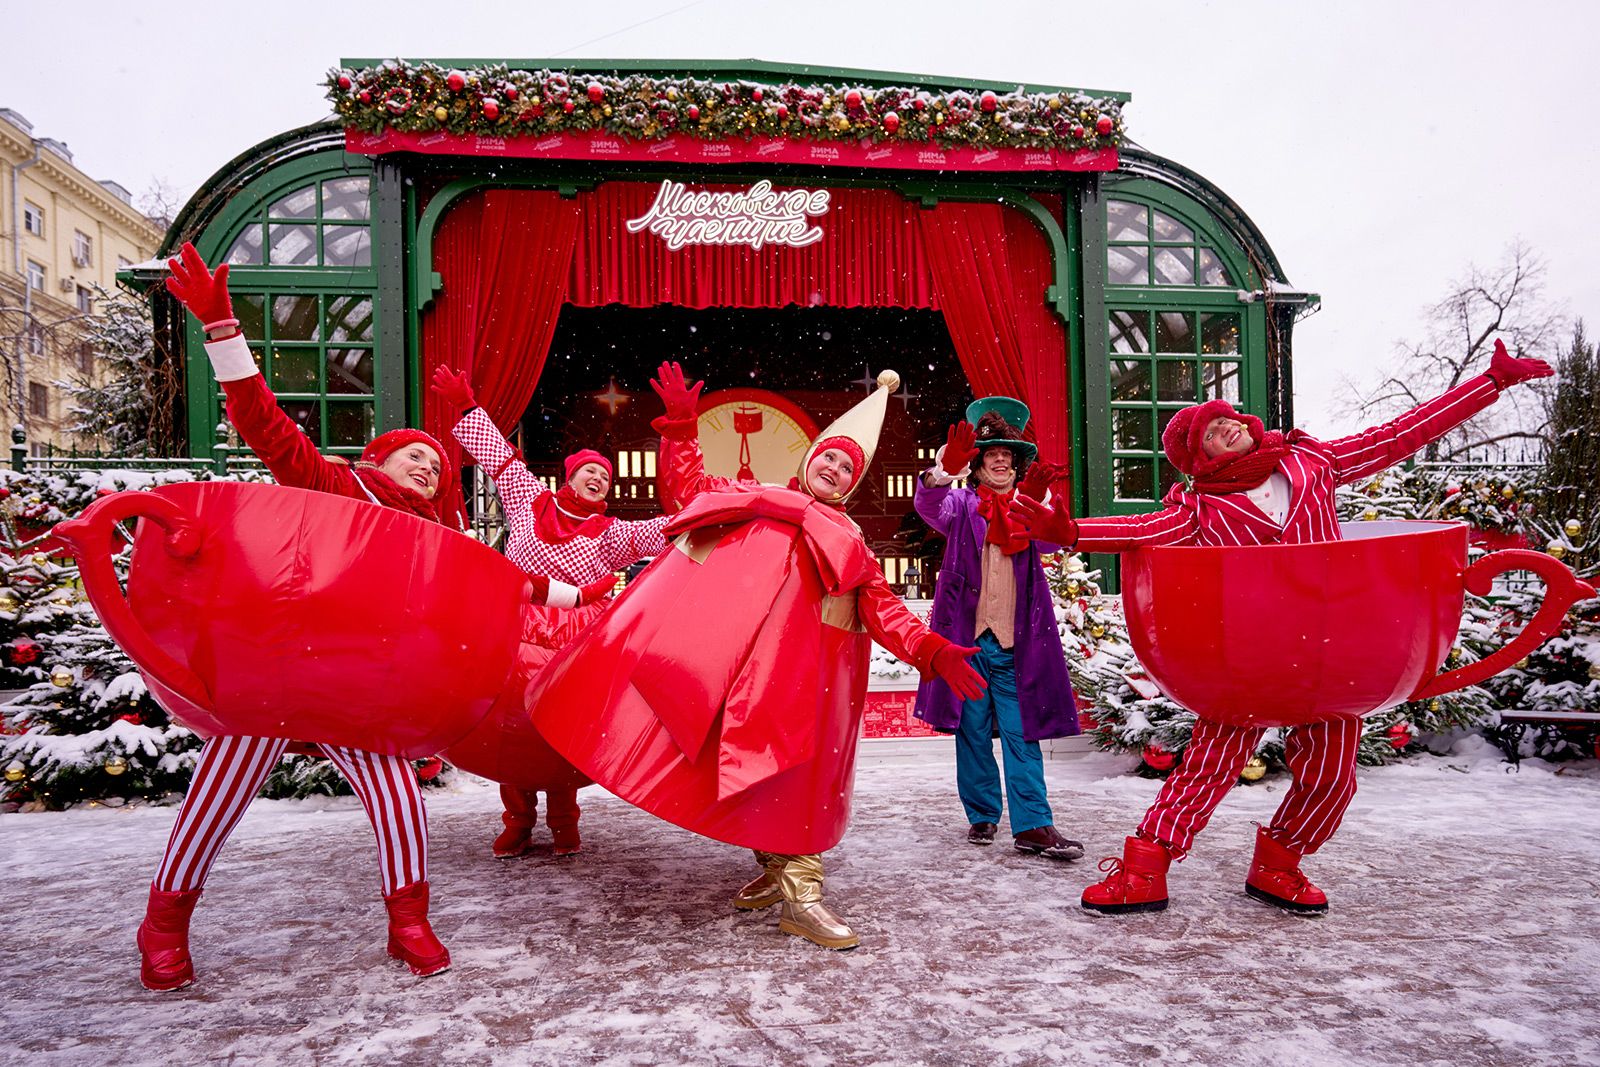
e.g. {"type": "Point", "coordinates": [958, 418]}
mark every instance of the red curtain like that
{"type": "Point", "coordinates": [503, 256]}
{"type": "Point", "coordinates": [509, 259]}
{"type": "Point", "coordinates": [990, 267]}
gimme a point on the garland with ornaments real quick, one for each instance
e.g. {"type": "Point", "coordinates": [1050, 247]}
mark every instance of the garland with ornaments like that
{"type": "Point", "coordinates": [497, 101]}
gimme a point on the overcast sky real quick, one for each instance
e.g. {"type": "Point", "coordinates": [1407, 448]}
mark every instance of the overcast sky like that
{"type": "Point", "coordinates": [1381, 147]}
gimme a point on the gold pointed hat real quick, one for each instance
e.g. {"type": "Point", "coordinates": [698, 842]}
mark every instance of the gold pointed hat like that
{"type": "Point", "coordinates": [861, 424]}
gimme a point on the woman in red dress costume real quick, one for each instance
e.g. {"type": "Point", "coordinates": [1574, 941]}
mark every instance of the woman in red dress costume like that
{"type": "Point", "coordinates": [565, 535]}
{"type": "Point", "coordinates": [400, 469]}
{"type": "Point", "coordinates": [723, 691]}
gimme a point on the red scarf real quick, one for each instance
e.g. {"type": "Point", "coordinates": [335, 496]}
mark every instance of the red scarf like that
{"type": "Point", "coordinates": [391, 494]}
{"type": "Point", "coordinates": [995, 508]}
{"type": "Point", "coordinates": [1250, 469]}
{"type": "Point", "coordinates": [560, 516]}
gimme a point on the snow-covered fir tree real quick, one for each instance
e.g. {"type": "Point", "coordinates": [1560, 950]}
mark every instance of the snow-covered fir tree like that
{"type": "Point", "coordinates": [126, 401]}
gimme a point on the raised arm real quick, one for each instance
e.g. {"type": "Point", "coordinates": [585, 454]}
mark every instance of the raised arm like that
{"type": "Point", "coordinates": [625, 542]}
{"type": "Point", "coordinates": [1366, 453]}
{"type": "Point", "coordinates": [513, 482]}
{"type": "Point", "coordinates": [933, 499]}
{"type": "Point", "coordinates": [683, 465]}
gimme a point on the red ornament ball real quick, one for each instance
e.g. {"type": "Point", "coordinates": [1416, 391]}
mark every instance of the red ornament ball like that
{"type": "Point", "coordinates": [694, 112]}
{"type": "Point", "coordinates": [24, 651]}
{"type": "Point", "coordinates": [1158, 758]}
{"type": "Point", "coordinates": [511, 92]}
{"type": "Point", "coordinates": [4, 492]}
{"type": "Point", "coordinates": [567, 106]}
{"type": "Point", "coordinates": [491, 108]}
{"type": "Point", "coordinates": [597, 92]}
{"type": "Point", "coordinates": [1077, 133]}
{"type": "Point", "coordinates": [428, 769]}
{"type": "Point", "coordinates": [132, 717]}
{"type": "Point", "coordinates": [891, 122]}
{"type": "Point", "coordinates": [852, 98]}
{"type": "Point", "coordinates": [1103, 125]}
{"type": "Point", "coordinates": [344, 81]}
{"type": "Point", "coordinates": [366, 97]}
{"type": "Point", "coordinates": [456, 80]}
{"type": "Point", "coordinates": [919, 104]}
{"type": "Point", "coordinates": [1399, 735]}
{"type": "Point", "coordinates": [988, 101]}
{"type": "Point", "coordinates": [757, 95]}
{"type": "Point", "coordinates": [782, 112]}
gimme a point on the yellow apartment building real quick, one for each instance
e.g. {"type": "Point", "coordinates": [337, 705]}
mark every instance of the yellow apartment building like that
{"type": "Point", "coordinates": [62, 233]}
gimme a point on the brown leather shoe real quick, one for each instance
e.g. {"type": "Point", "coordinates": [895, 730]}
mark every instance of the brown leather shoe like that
{"type": "Point", "coordinates": [981, 833]}
{"type": "Point", "coordinates": [1045, 841]}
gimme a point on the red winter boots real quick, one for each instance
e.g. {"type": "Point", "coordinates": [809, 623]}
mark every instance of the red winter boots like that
{"type": "Point", "coordinates": [1136, 882]}
{"type": "Point", "coordinates": [410, 937]}
{"type": "Point", "coordinates": [1275, 879]}
{"type": "Point", "coordinates": [163, 940]}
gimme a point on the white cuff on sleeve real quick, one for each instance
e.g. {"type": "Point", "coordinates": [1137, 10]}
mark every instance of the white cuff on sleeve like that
{"type": "Point", "coordinates": [562, 595]}
{"type": "Point", "coordinates": [231, 360]}
{"type": "Point", "coordinates": [937, 476]}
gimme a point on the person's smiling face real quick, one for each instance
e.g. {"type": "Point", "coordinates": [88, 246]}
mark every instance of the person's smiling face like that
{"type": "Point", "coordinates": [830, 474]}
{"type": "Point", "coordinates": [591, 482]}
{"type": "Point", "coordinates": [414, 466]}
{"type": "Point", "coordinates": [998, 470]}
{"type": "Point", "coordinates": [1225, 437]}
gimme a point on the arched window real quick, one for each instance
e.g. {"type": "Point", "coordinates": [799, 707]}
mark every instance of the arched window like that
{"type": "Point", "coordinates": [299, 245]}
{"type": "Point", "coordinates": [1177, 331]}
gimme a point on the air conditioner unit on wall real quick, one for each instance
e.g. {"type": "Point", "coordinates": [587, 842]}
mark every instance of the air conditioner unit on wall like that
{"type": "Point", "coordinates": [67, 285]}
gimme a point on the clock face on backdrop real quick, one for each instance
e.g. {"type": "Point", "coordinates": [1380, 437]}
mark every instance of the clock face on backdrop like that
{"type": "Point", "coordinates": [754, 432]}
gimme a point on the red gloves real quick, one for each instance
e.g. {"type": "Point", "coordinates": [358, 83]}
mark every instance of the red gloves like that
{"type": "Point", "coordinates": [1040, 477]}
{"type": "Point", "coordinates": [1053, 524]}
{"type": "Point", "coordinates": [680, 399]}
{"type": "Point", "coordinates": [597, 589]}
{"type": "Point", "coordinates": [959, 448]}
{"type": "Point", "coordinates": [454, 389]}
{"type": "Point", "coordinates": [203, 293]}
{"type": "Point", "coordinates": [950, 663]}
{"type": "Point", "coordinates": [1507, 370]}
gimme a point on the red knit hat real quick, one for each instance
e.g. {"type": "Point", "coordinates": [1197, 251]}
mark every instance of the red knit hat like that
{"type": "Point", "coordinates": [385, 445]}
{"type": "Point", "coordinates": [1182, 438]}
{"type": "Point", "coordinates": [588, 455]}
{"type": "Point", "coordinates": [848, 447]}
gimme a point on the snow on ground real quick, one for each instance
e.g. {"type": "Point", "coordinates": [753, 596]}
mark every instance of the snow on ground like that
{"type": "Point", "coordinates": [1462, 932]}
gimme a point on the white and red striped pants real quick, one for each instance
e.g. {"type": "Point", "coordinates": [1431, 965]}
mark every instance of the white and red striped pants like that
{"type": "Point", "coordinates": [1321, 757]}
{"type": "Point", "coordinates": [230, 772]}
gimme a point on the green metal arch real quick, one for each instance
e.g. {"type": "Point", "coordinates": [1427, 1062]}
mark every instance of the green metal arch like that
{"type": "Point", "coordinates": [1200, 218]}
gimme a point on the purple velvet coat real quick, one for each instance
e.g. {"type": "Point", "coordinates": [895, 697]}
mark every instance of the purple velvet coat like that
{"type": "Point", "coordinates": [1044, 691]}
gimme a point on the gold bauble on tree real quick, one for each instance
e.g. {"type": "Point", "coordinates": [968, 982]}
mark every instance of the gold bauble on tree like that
{"type": "Point", "coordinates": [441, 113]}
{"type": "Point", "coordinates": [1097, 630]}
{"type": "Point", "coordinates": [1556, 549]}
{"type": "Point", "coordinates": [1254, 770]}
{"type": "Point", "coordinates": [115, 765]}
{"type": "Point", "coordinates": [8, 600]}
{"type": "Point", "coordinates": [61, 677]}
{"type": "Point", "coordinates": [1508, 492]}
{"type": "Point", "coordinates": [15, 772]}
{"type": "Point", "coordinates": [1573, 527]}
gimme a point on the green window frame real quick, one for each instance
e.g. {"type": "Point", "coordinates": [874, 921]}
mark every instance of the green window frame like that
{"type": "Point", "coordinates": [299, 242]}
{"type": "Point", "coordinates": [1177, 330]}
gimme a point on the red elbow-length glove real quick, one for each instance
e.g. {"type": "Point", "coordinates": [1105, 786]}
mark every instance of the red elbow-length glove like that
{"type": "Point", "coordinates": [205, 294]}
{"type": "Point", "coordinates": [454, 389]}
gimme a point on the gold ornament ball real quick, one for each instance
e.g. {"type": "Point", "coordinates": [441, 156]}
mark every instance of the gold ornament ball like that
{"type": "Point", "coordinates": [1073, 588]}
{"type": "Point", "coordinates": [1097, 630]}
{"type": "Point", "coordinates": [1055, 103]}
{"type": "Point", "coordinates": [606, 110]}
{"type": "Point", "coordinates": [15, 772]}
{"type": "Point", "coordinates": [1369, 514]}
{"type": "Point", "coordinates": [1556, 549]}
{"type": "Point", "coordinates": [8, 601]}
{"type": "Point", "coordinates": [1594, 671]}
{"type": "Point", "coordinates": [1508, 492]}
{"type": "Point", "coordinates": [1434, 705]}
{"type": "Point", "coordinates": [1573, 527]}
{"type": "Point", "coordinates": [441, 112]}
{"type": "Point", "coordinates": [61, 677]}
{"type": "Point", "coordinates": [39, 559]}
{"type": "Point", "coordinates": [1255, 770]}
{"type": "Point", "coordinates": [1521, 664]}
{"type": "Point", "coordinates": [116, 765]}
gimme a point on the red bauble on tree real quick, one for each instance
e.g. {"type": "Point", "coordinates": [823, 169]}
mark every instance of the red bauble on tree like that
{"type": "Point", "coordinates": [428, 769]}
{"type": "Point", "coordinates": [852, 98]}
{"type": "Point", "coordinates": [891, 122]}
{"type": "Point", "coordinates": [597, 92]}
{"type": "Point", "coordinates": [511, 92]}
{"type": "Point", "coordinates": [1158, 758]}
{"type": "Point", "coordinates": [1077, 132]}
{"type": "Point", "coordinates": [491, 108]}
{"type": "Point", "coordinates": [694, 112]}
{"type": "Point", "coordinates": [1103, 125]}
{"type": "Point", "coordinates": [1400, 735]}
{"type": "Point", "coordinates": [24, 650]}
{"type": "Point", "coordinates": [757, 95]}
{"type": "Point", "coordinates": [782, 111]}
{"type": "Point", "coordinates": [456, 80]}
{"type": "Point", "coordinates": [988, 100]}
{"type": "Point", "coordinates": [366, 97]}
{"type": "Point", "coordinates": [344, 81]}
{"type": "Point", "coordinates": [568, 106]}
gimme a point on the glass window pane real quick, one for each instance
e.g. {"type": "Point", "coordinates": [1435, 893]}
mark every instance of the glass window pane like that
{"type": "Point", "coordinates": [1175, 380]}
{"type": "Point", "coordinates": [350, 370]}
{"type": "Point", "coordinates": [300, 204]}
{"type": "Point", "coordinates": [1130, 379]}
{"type": "Point", "coordinates": [1170, 476]}
{"type": "Point", "coordinates": [1219, 334]}
{"type": "Point", "coordinates": [1212, 272]}
{"type": "Point", "coordinates": [1131, 430]}
{"type": "Point", "coordinates": [1128, 265]}
{"type": "Point", "coordinates": [1175, 333]}
{"type": "Point", "coordinates": [1174, 266]}
{"type": "Point", "coordinates": [349, 425]}
{"type": "Point", "coordinates": [1163, 417]}
{"type": "Point", "coordinates": [346, 198]}
{"type": "Point", "coordinates": [292, 246]}
{"type": "Point", "coordinates": [1133, 479]}
{"type": "Point", "coordinates": [1222, 381]}
{"type": "Point", "coordinates": [251, 311]}
{"type": "Point", "coordinates": [259, 354]}
{"type": "Point", "coordinates": [349, 318]}
{"type": "Point", "coordinates": [294, 318]}
{"type": "Point", "coordinates": [1129, 332]}
{"type": "Point", "coordinates": [346, 246]}
{"type": "Point", "coordinates": [294, 370]}
{"type": "Point", "coordinates": [306, 416]}
{"type": "Point", "coordinates": [1170, 229]}
{"type": "Point", "coordinates": [246, 248]}
{"type": "Point", "coordinates": [1126, 221]}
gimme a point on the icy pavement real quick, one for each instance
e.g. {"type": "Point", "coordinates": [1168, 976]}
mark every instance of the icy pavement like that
{"type": "Point", "coordinates": [1462, 932]}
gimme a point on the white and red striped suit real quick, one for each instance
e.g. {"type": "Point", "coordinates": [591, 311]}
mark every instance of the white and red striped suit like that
{"type": "Point", "coordinates": [1321, 756]}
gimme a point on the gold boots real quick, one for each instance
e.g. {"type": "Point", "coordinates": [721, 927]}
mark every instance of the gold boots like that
{"type": "Point", "coordinates": [797, 881]}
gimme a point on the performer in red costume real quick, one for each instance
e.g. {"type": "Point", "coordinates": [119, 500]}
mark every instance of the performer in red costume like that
{"type": "Point", "coordinates": [399, 469]}
{"type": "Point", "coordinates": [724, 690]}
{"type": "Point", "coordinates": [565, 534]}
{"type": "Point", "coordinates": [1248, 486]}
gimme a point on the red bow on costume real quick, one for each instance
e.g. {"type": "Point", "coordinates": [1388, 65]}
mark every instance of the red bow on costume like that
{"type": "Point", "coordinates": [995, 508]}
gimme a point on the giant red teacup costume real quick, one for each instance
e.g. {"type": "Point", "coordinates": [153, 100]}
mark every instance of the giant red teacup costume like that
{"type": "Point", "coordinates": [1252, 607]}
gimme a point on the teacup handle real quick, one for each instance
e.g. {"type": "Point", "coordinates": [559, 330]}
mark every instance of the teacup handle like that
{"type": "Point", "coordinates": [92, 536]}
{"type": "Point", "coordinates": [1562, 589]}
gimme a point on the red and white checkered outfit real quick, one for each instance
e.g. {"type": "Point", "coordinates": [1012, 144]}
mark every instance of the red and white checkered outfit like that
{"type": "Point", "coordinates": [1321, 756]}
